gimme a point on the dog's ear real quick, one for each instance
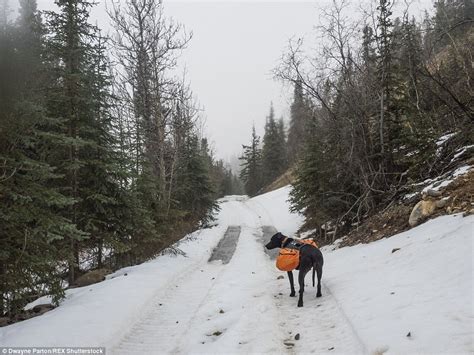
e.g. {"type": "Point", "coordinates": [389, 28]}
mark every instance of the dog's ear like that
{"type": "Point", "coordinates": [277, 235]}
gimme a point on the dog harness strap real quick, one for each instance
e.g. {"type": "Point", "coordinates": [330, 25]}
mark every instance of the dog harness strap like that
{"type": "Point", "coordinates": [283, 242]}
{"type": "Point", "coordinates": [294, 245]}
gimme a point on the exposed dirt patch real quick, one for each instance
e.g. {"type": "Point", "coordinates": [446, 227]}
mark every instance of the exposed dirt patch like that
{"type": "Point", "coordinates": [461, 196]}
{"type": "Point", "coordinates": [383, 224]}
{"type": "Point", "coordinates": [393, 220]}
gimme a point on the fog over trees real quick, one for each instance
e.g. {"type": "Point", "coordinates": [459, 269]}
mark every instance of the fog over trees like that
{"type": "Point", "coordinates": [102, 162]}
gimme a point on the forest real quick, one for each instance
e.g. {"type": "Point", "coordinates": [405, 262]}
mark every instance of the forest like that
{"type": "Point", "coordinates": [368, 110]}
{"type": "Point", "coordinates": [102, 158]}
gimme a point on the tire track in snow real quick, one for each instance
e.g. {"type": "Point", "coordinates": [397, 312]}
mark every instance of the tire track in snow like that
{"type": "Point", "coordinates": [225, 249]}
{"type": "Point", "coordinates": [165, 317]}
{"type": "Point", "coordinates": [258, 314]}
{"type": "Point", "coordinates": [159, 317]}
{"type": "Point", "coordinates": [244, 304]}
{"type": "Point", "coordinates": [248, 319]}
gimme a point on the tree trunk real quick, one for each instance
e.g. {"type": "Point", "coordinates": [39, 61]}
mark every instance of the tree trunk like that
{"type": "Point", "coordinates": [99, 253]}
{"type": "Point", "coordinates": [3, 288]}
{"type": "Point", "coordinates": [382, 111]}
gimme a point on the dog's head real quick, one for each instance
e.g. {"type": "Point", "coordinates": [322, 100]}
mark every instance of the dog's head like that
{"type": "Point", "coordinates": [275, 241]}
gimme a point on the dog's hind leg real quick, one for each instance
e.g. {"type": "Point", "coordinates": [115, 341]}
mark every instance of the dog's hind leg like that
{"type": "Point", "coordinates": [292, 283]}
{"type": "Point", "coordinates": [319, 271]}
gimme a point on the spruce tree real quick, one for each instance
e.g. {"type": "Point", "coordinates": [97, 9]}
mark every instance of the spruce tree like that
{"type": "Point", "coordinates": [195, 192]}
{"type": "Point", "coordinates": [273, 149]}
{"type": "Point", "coordinates": [384, 74]}
{"type": "Point", "coordinates": [77, 99]}
{"type": "Point", "coordinates": [30, 200]}
{"type": "Point", "coordinates": [251, 173]}
{"type": "Point", "coordinates": [299, 119]}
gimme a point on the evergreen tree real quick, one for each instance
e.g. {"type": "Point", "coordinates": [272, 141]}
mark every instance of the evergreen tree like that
{"type": "Point", "coordinates": [78, 100]}
{"type": "Point", "coordinates": [273, 150]}
{"type": "Point", "coordinates": [29, 198]}
{"type": "Point", "coordinates": [281, 134]}
{"type": "Point", "coordinates": [299, 118]}
{"type": "Point", "coordinates": [195, 193]}
{"type": "Point", "coordinates": [384, 73]}
{"type": "Point", "coordinates": [414, 141]}
{"type": "Point", "coordinates": [251, 173]}
{"type": "Point", "coordinates": [227, 182]}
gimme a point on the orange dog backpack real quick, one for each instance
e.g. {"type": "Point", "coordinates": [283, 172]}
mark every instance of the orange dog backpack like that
{"type": "Point", "coordinates": [289, 258]}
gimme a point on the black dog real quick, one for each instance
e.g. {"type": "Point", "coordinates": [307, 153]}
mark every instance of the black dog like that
{"type": "Point", "coordinates": [310, 257]}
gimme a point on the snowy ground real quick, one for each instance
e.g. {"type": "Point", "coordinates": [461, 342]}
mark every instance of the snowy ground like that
{"type": "Point", "coordinates": [372, 298]}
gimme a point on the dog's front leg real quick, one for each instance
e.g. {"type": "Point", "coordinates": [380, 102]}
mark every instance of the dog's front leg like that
{"type": "Point", "coordinates": [301, 276]}
{"type": "Point", "coordinates": [292, 283]}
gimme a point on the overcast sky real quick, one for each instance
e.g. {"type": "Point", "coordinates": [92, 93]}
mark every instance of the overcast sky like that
{"type": "Point", "coordinates": [229, 61]}
{"type": "Point", "coordinates": [234, 48]}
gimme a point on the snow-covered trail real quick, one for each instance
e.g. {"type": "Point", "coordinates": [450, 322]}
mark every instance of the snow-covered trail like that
{"type": "Point", "coordinates": [238, 307]}
{"type": "Point", "coordinates": [408, 294]}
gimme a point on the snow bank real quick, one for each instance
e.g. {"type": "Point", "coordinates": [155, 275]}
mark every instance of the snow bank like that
{"type": "Point", "coordinates": [98, 314]}
{"type": "Point", "coordinates": [425, 288]}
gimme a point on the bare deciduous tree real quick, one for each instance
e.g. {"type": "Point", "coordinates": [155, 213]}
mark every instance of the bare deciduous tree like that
{"type": "Point", "coordinates": [147, 45]}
